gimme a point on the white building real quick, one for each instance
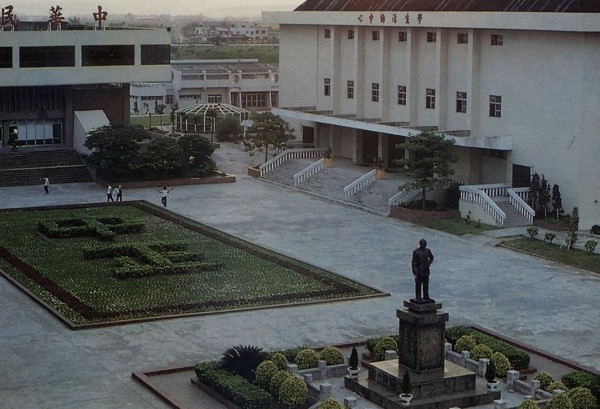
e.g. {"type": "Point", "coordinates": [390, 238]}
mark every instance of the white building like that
{"type": "Point", "coordinates": [239, 30]}
{"type": "Point", "coordinates": [516, 85]}
{"type": "Point", "coordinates": [243, 83]}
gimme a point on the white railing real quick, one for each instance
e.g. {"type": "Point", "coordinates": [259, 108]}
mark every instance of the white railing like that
{"type": "Point", "coordinates": [498, 189]}
{"type": "Point", "coordinates": [309, 171]}
{"type": "Point", "coordinates": [404, 196]}
{"type": "Point", "coordinates": [517, 198]}
{"type": "Point", "coordinates": [359, 184]}
{"type": "Point", "coordinates": [477, 195]}
{"type": "Point", "coordinates": [287, 154]}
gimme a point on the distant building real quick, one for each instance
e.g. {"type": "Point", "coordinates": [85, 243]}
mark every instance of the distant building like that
{"type": "Point", "coordinates": [515, 84]}
{"type": "Point", "coordinates": [237, 32]}
{"type": "Point", "coordinates": [246, 84]}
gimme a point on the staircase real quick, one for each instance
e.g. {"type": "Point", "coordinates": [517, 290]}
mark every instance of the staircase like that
{"type": "Point", "coordinates": [28, 168]}
{"type": "Point", "coordinates": [513, 217]}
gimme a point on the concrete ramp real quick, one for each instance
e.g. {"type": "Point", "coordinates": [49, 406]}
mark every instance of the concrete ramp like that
{"type": "Point", "coordinates": [85, 122]}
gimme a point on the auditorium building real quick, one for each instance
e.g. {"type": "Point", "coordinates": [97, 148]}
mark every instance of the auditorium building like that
{"type": "Point", "coordinates": [514, 83]}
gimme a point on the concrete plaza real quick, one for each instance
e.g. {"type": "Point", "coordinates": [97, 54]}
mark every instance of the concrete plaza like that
{"type": "Point", "coordinates": [45, 365]}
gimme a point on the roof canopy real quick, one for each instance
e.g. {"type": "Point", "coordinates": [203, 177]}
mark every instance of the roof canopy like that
{"type": "Point", "coordinates": [220, 110]}
{"type": "Point", "coordinates": [203, 117]}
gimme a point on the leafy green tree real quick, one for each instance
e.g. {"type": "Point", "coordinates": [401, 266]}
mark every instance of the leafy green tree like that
{"type": "Point", "coordinates": [196, 155]}
{"type": "Point", "coordinates": [557, 201]}
{"type": "Point", "coordinates": [534, 191]}
{"type": "Point", "coordinates": [161, 158]}
{"type": "Point", "coordinates": [571, 238]}
{"type": "Point", "coordinates": [267, 131]}
{"type": "Point", "coordinates": [115, 149]}
{"type": "Point", "coordinates": [428, 162]}
{"type": "Point", "coordinates": [544, 197]}
{"type": "Point", "coordinates": [228, 128]}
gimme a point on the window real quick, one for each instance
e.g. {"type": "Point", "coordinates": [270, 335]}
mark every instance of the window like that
{"type": "Point", "coordinates": [402, 36]}
{"type": "Point", "coordinates": [350, 89]}
{"type": "Point", "coordinates": [429, 98]}
{"type": "Point", "coordinates": [327, 87]}
{"type": "Point", "coordinates": [40, 57]}
{"type": "Point", "coordinates": [495, 106]}
{"type": "Point", "coordinates": [461, 102]}
{"type": "Point", "coordinates": [168, 99]}
{"type": "Point", "coordinates": [401, 95]}
{"type": "Point", "coordinates": [350, 34]}
{"type": "Point", "coordinates": [156, 54]}
{"type": "Point", "coordinates": [431, 37]}
{"type": "Point", "coordinates": [375, 92]}
{"type": "Point", "coordinates": [375, 35]}
{"type": "Point", "coordinates": [5, 57]}
{"type": "Point", "coordinates": [214, 98]}
{"type": "Point", "coordinates": [327, 33]}
{"type": "Point", "coordinates": [106, 55]}
{"type": "Point", "coordinates": [256, 100]}
{"type": "Point", "coordinates": [497, 39]}
{"type": "Point", "coordinates": [462, 38]}
{"type": "Point", "coordinates": [274, 98]}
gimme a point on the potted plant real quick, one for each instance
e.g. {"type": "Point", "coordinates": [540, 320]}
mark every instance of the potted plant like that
{"type": "Point", "coordinates": [379, 168]}
{"type": "Point", "coordinates": [353, 368]}
{"type": "Point", "coordinates": [490, 377]}
{"type": "Point", "coordinates": [406, 389]}
{"type": "Point", "coordinates": [327, 158]}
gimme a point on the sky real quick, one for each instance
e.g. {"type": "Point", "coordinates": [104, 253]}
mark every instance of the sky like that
{"type": "Point", "coordinates": [208, 8]}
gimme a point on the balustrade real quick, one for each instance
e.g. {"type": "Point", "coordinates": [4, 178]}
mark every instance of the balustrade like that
{"type": "Point", "coordinates": [359, 184]}
{"type": "Point", "coordinates": [309, 171]}
{"type": "Point", "coordinates": [286, 155]}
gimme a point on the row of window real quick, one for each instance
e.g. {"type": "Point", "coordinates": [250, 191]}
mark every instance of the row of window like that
{"type": "Point", "coordinates": [430, 97]}
{"type": "Point", "coordinates": [91, 55]}
{"type": "Point", "coordinates": [461, 38]}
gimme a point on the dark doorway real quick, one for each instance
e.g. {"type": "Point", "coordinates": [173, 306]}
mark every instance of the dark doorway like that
{"type": "Point", "coordinates": [521, 176]}
{"type": "Point", "coordinates": [370, 141]}
{"type": "Point", "coordinates": [308, 134]}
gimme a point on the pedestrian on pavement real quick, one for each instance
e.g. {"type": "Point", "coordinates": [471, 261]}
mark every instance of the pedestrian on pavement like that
{"type": "Point", "coordinates": [46, 184]}
{"type": "Point", "coordinates": [421, 260]}
{"type": "Point", "coordinates": [119, 191]}
{"type": "Point", "coordinates": [109, 194]}
{"type": "Point", "coordinates": [164, 193]}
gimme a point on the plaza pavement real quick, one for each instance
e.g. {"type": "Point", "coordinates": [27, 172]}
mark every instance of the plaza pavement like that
{"type": "Point", "coordinates": [45, 365]}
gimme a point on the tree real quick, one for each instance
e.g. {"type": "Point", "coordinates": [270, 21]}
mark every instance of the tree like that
{"type": "Point", "coordinates": [556, 201]}
{"type": "Point", "coordinates": [228, 128]}
{"type": "Point", "coordinates": [544, 197]}
{"type": "Point", "coordinates": [534, 191]}
{"type": "Point", "coordinates": [267, 131]}
{"type": "Point", "coordinates": [115, 149]}
{"type": "Point", "coordinates": [196, 156]}
{"type": "Point", "coordinates": [428, 162]}
{"type": "Point", "coordinates": [571, 238]}
{"type": "Point", "coordinates": [161, 158]}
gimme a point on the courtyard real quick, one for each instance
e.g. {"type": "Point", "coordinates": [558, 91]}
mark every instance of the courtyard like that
{"type": "Point", "coordinates": [46, 365]}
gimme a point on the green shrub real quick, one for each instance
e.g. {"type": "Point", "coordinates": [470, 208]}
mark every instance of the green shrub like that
{"type": "Point", "coordinates": [518, 359]}
{"type": "Point", "coordinates": [561, 401]}
{"type": "Point", "coordinates": [556, 385]}
{"type": "Point", "coordinates": [332, 355]}
{"type": "Point", "coordinates": [465, 343]}
{"type": "Point", "coordinates": [386, 344]}
{"type": "Point", "coordinates": [331, 403]}
{"type": "Point", "coordinates": [545, 380]}
{"type": "Point", "coordinates": [280, 361]}
{"type": "Point", "coordinates": [277, 380]}
{"type": "Point", "coordinates": [293, 392]}
{"type": "Point", "coordinates": [528, 404]}
{"type": "Point", "coordinates": [502, 364]}
{"type": "Point", "coordinates": [578, 378]}
{"type": "Point", "coordinates": [549, 237]}
{"type": "Point", "coordinates": [481, 351]}
{"type": "Point", "coordinates": [582, 398]}
{"type": "Point", "coordinates": [590, 245]}
{"type": "Point", "coordinates": [264, 373]}
{"type": "Point", "coordinates": [490, 372]}
{"type": "Point", "coordinates": [406, 386]}
{"type": "Point", "coordinates": [372, 343]}
{"type": "Point", "coordinates": [291, 353]}
{"type": "Point", "coordinates": [243, 360]}
{"type": "Point", "coordinates": [353, 360]}
{"type": "Point", "coordinates": [307, 358]}
{"type": "Point", "coordinates": [533, 231]}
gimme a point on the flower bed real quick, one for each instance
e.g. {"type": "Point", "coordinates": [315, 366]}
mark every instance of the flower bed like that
{"type": "Point", "coordinates": [415, 216]}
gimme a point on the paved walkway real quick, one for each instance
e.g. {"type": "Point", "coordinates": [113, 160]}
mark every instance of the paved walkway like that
{"type": "Point", "coordinates": [44, 365]}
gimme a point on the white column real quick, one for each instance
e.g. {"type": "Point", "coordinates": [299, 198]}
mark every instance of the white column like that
{"type": "Point", "coordinates": [473, 58]}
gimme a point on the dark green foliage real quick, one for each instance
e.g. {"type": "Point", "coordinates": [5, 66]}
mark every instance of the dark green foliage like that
{"type": "Point", "coordinates": [428, 163]}
{"type": "Point", "coordinates": [490, 372]}
{"type": "Point", "coordinates": [279, 360]}
{"type": "Point", "coordinates": [277, 380]}
{"type": "Point", "coordinates": [353, 360]}
{"type": "Point", "coordinates": [386, 344]}
{"type": "Point", "coordinates": [161, 158]}
{"type": "Point", "coordinates": [104, 229]}
{"type": "Point", "coordinates": [293, 392]}
{"type": "Point", "coordinates": [196, 155]}
{"type": "Point", "coordinates": [453, 195]}
{"type": "Point", "coordinates": [406, 384]}
{"type": "Point", "coordinates": [264, 373]}
{"type": "Point", "coordinates": [372, 343]}
{"type": "Point", "coordinates": [228, 129]}
{"type": "Point", "coordinates": [307, 358]}
{"type": "Point", "coordinates": [235, 388]}
{"type": "Point", "coordinates": [571, 238]}
{"type": "Point", "coordinates": [518, 359]}
{"type": "Point", "coordinates": [557, 201]}
{"type": "Point", "coordinates": [291, 354]}
{"type": "Point", "coordinates": [332, 355]}
{"type": "Point", "coordinates": [534, 191]}
{"type": "Point", "coordinates": [243, 360]}
{"type": "Point", "coordinates": [543, 198]}
{"type": "Point", "coordinates": [268, 131]}
{"type": "Point", "coordinates": [595, 229]}
{"type": "Point", "coordinates": [584, 379]}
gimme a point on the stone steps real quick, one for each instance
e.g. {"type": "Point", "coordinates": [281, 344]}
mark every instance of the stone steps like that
{"type": "Point", "coordinates": [513, 217]}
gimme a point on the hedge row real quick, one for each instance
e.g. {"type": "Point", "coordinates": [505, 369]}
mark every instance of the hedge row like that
{"type": "Point", "coordinates": [233, 387]}
{"type": "Point", "coordinates": [104, 228]}
{"type": "Point", "coordinates": [519, 359]}
{"type": "Point", "coordinates": [132, 270]}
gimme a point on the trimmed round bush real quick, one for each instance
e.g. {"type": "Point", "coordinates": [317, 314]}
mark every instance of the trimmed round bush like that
{"type": "Point", "coordinates": [465, 343]}
{"type": "Point", "coordinates": [264, 373]}
{"type": "Point", "coordinates": [332, 355]}
{"type": "Point", "coordinates": [528, 404]}
{"type": "Point", "coordinates": [293, 392]}
{"type": "Point", "coordinates": [481, 351]}
{"type": "Point", "coordinates": [502, 364]}
{"type": "Point", "coordinates": [277, 380]}
{"type": "Point", "coordinates": [545, 380]}
{"type": "Point", "coordinates": [556, 385]}
{"type": "Point", "coordinates": [331, 403]}
{"type": "Point", "coordinates": [280, 361]}
{"type": "Point", "coordinates": [561, 401]}
{"type": "Point", "coordinates": [307, 358]}
{"type": "Point", "coordinates": [386, 344]}
{"type": "Point", "coordinates": [582, 398]}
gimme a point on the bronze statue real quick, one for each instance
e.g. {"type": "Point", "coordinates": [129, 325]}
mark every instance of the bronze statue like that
{"type": "Point", "coordinates": [421, 260]}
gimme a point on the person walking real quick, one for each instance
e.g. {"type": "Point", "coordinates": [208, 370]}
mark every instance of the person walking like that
{"type": "Point", "coordinates": [164, 193]}
{"type": "Point", "coordinates": [109, 194]}
{"type": "Point", "coordinates": [46, 184]}
{"type": "Point", "coordinates": [119, 191]}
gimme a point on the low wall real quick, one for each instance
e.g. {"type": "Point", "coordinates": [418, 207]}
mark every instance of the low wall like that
{"type": "Point", "coordinates": [415, 216]}
{"type": "Point", "coordinates": [209, 180]}
{"type": "Point", "coordinates": [476, 213]}
{"type": "Point", "coordinates": [254, 172]}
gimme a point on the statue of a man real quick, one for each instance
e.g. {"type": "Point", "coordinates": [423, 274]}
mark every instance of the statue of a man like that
{"type": "Point", "coordinates": [421, 260]}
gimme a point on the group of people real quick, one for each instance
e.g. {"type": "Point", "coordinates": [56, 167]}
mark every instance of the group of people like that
{"type": "Point", "coordinates": [114, 192]}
